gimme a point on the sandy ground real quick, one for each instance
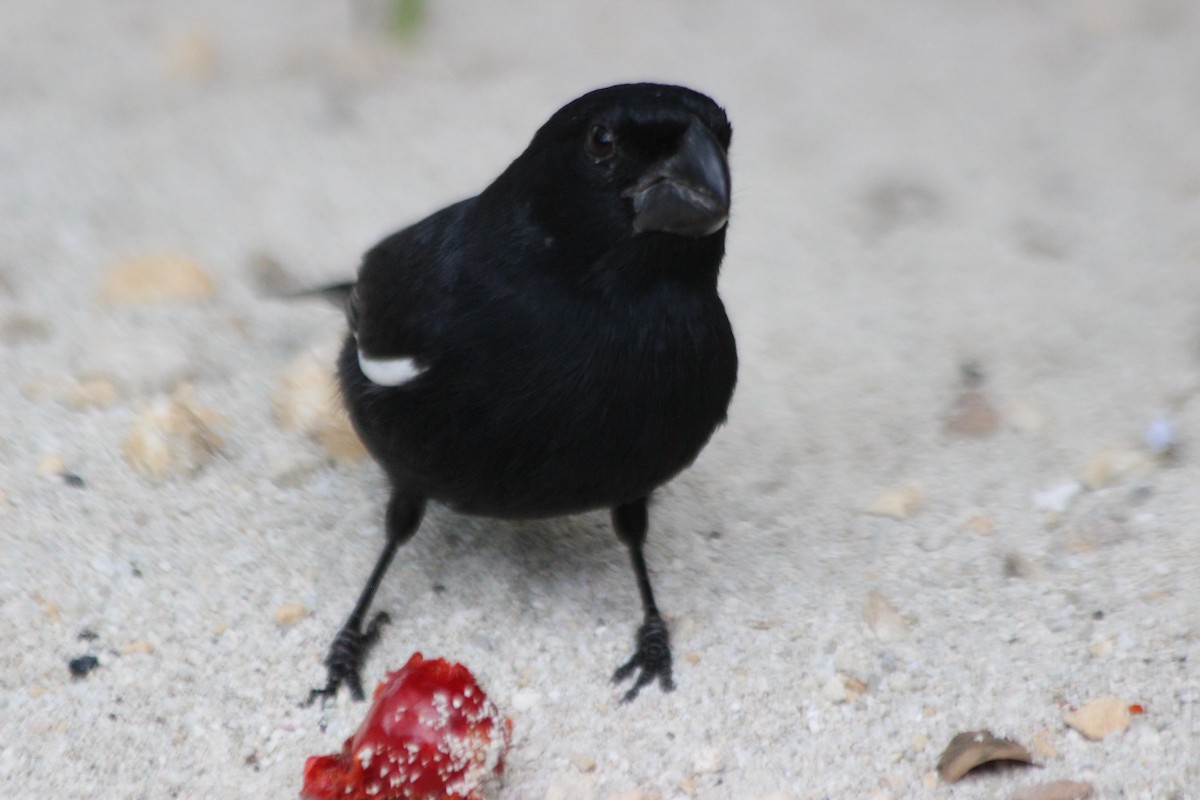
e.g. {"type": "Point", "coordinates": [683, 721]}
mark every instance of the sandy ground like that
{"type": "Point", "coordinates": [1009, 188]}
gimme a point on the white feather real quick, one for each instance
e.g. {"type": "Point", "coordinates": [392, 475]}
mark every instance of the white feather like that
{"type": "Point", "coordinates": [388, 371]}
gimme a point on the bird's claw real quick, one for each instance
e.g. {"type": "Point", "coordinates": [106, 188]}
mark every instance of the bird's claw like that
{"type": "Point", "coordinates": [651, 660]}
{"type": "Point", "coordinates": [345, 659]}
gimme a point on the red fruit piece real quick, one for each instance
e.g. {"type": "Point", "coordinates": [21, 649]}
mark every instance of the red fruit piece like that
{"type": "Point", "coordinates": [430, 734]}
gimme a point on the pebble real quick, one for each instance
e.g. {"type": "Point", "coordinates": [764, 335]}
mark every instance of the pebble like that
{"type": "Point", "coordinates": [82, 665]}
{"type": "Point", "coordinates": [1111, 466]}
{"type": "Point", "coordinates": [707, 760]}
{"type": "Point", "coordinates": [307, 401]}
{"type": "Point", "coordinates": [17, 329]}
{"type": "Point", "coordinates": [583, 763]}
{"type": "Point", "coordinates": [49, 465]}
{"type": "Point", "coordinates": [980, 524]}
{"type": "Point", "coordinates": [885, 621]}
{"type": "Point", "coordinates": [834, 689]}
{"type": "Point", "coordinates": [289, 614]}
{"type": "Point", "coordinates": [899, 503]}
{"type": "Point", "coordinates": [93, 393]}
{"type": "Point", "coordinates": [1043, 745]}
{"type": "Point", "coordinates": [155, 279]}
{"type": "Point", "coordinates": [1058, 498]}
{"type": "Point", "coordinates": [173, 436]}
{"type": "Point", "coordinates": [141, 646]}
{"type": "Point", "coordinates": [1100, 717]}
{"type": "Point", "coordinates": [1160, 438]}
{"type": "Point", "coordinates": [1055, 790]}
{"type": "Point", "coordinates": [193, 57]}
{"type": "Point", "coordinates": [972, 415]}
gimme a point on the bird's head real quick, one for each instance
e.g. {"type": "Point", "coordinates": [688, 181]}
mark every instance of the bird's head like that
{"type": "Point", "coordinates": [630, 160]}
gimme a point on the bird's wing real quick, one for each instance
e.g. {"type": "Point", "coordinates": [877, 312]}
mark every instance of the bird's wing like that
{"type": "Point", "coordinates": [402, 300]}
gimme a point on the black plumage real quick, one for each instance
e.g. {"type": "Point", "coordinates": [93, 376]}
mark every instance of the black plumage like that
{"type": "Point", "coordinates": [556, 343]}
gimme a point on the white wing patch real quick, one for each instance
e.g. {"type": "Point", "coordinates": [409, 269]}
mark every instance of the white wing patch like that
{"type": "Point", "coordinates": [388, 371]}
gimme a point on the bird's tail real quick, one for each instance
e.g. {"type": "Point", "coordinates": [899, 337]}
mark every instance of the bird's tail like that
{"type": "Point", "coordinates": [337, 294]}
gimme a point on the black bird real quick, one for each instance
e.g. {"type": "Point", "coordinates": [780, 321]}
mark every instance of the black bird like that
{"type": "Point", "coordinates": [553, 345]}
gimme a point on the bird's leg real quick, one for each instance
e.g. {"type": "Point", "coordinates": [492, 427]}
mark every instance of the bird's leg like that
{"type": "Point", "coordinates": [351, 644]}
{"type": "Point", "coordinates": [652, 659]}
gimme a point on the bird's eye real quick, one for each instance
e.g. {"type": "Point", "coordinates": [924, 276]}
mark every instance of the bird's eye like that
{"type": "Point", "coordinates": [600, 142]}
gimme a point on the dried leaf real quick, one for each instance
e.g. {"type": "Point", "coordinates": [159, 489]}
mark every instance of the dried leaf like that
{"type": "Point", "coordinates": [969, 750]}
{"type": "Point", "coordinates": [1055, 790]}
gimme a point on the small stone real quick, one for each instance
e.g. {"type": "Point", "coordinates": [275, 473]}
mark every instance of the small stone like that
{"type": "Point", "coordinates": [688, 786]}
{"type": "Point", "coordinates": [707, 760]}
{"type": "Point", "coordinates": [1113, 465]}
{"type": "Point", "coordinates": [269, 275]}
{"type": "Point", "coordinates": [854, 688]}
{"type": "Point", "coordinates": [834, 689]}
{"type": "Point", "coordinates": [1058, 498]}
{"type": "Point", "coordinates": [918, 742]}
{"type": "Point", "coordinates": [1160, 438]}
{"type": "Point", "coordinates": [140, 647]}
{"type": "Point", "coordinates": [93, 393]}
{"type": "Point", "coordinates": [692, 657]}
{"type": "Point", "coordinates": [81, 666]}
{"type": "Point", "coordinates": [1055, 790]}
{"type": "Point", "coordinates": [980, 524]}
{"type": "Point", "coordinates": [899, 503]}
{"type": "Point", "coordinates": [1101, 648]}
{"type": "Point", "coordinates": [154, 280]}
{"type": "Point", "coordinates": [1043, 745]}
{"type": "Point", "coordinates": [582, 763]}
{"type": "Point", "coordinates": [972, 415]}
{"type": "Point", "coordinates": [50, 465]}
{"type": "Point", "coordinates": [1017, 566]}
{"type": "Point", "coordinates": [571, 786]}
{"type": "Point", "coordinates": [289, 614]}
{"type": "Point", "coordinates": [970, 749]}
{"type": "Point", "coordinates": [193, 57]}
{"type": "Point", "coordinates": [929, 780]}
{"type": "Point", "coordinates": [174, 436]}
{"type": "Point", "coordinates": [883, 618]}
{"type": "Point", "coordinates": [1100, 717]}
{"type": "Point", "coordinates": [17, 329]}
{"type": "Point", "coordinates": [308, 401]}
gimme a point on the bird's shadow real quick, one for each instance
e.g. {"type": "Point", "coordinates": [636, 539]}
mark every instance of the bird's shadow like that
{"type": "Point", "coordinates": [537, 562]}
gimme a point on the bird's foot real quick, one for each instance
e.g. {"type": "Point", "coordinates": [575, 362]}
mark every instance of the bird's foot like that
{"type": "Point", "coordinates": [652, 659]}
{"type": "Point", "coordinates": [346, 655]}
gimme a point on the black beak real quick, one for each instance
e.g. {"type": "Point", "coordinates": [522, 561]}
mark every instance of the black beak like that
{"type": "Point", "coordinates": [686, 193]}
